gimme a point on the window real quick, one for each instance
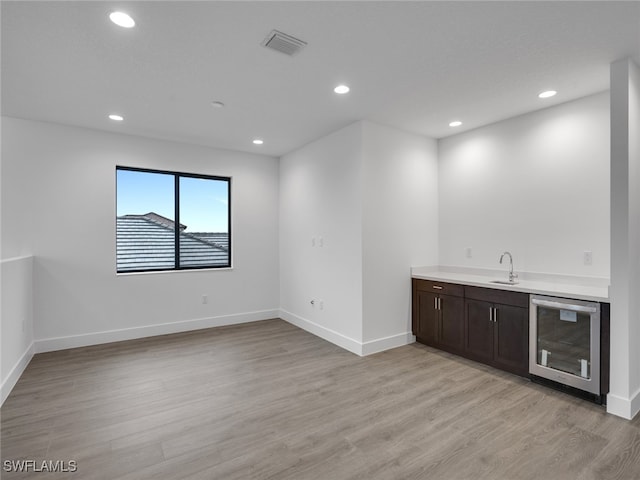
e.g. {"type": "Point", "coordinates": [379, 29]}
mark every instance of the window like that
{"type": "Point", "coordinates": [149, 205]}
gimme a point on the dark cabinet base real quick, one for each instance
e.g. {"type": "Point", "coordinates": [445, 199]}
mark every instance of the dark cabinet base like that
{"type": "Point", "coordinates": [482, 324]}
{"type": "Point", "coordinates": [511, 339]}
{"type": "Point", "coordinates": [479, 330]}
{"type": "Point", "coordinates": [592, 397]}
{"type": "Point", "coordinates": [438, 318]}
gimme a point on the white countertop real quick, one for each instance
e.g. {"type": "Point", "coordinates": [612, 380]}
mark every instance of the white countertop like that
{"type": "Point", "coordinates": [580, 288]}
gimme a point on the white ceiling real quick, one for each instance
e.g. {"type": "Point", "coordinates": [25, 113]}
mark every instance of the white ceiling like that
{"type": "Point", "coordinates": [412, 65]}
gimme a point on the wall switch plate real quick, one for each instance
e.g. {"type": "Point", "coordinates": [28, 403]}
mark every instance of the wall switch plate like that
{"type": "Point", "coordinates": [321, 242]}
{"type": "Point", "coordinates": [467, 252]}
{"type": "Point", "coordinates": [205, 299]}
{"type": "Point", "coordinates": [313, 241]}
{"type": "Point", "coordinates": [588, 257]}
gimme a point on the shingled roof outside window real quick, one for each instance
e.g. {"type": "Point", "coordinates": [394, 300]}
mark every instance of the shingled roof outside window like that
{"type": "Point", "coordinates": [146, 242]}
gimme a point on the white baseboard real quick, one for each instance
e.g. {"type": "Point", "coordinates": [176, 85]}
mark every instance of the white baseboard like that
{"type": "Point", "coordinates": [353, 346]}
{"type": "Point", "coordinates": [15, 373]}
{"type": "Point", "coordinates": [83, 340]}
{"type": "Point", "coordinates": [635, 405]}
{"type": "Point", "coordinates": [624, 407]}
{"type": "Point", "coordinates": [323, 332]}
{"type": "Point", "coordinates": [387, 343]}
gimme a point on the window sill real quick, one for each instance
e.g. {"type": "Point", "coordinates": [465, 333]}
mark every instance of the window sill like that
{"type": "Point", "coordinates": [164, 272]}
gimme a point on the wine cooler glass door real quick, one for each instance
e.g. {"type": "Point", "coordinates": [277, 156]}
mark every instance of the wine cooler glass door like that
{"type": "Point", "coordinates": [565, 344]}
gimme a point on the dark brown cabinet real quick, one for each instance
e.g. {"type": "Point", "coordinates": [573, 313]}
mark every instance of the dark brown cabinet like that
{"type": "Point", "coordinates": [438, 318]}
{"type": "Point", "coordinates": [497, 328]}
{"type": "Point", "coordinates": [511, 339]}
{"type": "Point", "coordinates": [487, 325]}
{"type": "Point", "coordinates": [479, 330]}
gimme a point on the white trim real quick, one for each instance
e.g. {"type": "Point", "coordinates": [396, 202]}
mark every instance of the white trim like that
{"type": "Point", "coordinates": [325, 333]}
{"type": "Point", "coordinates": [349, 344]}
{"type": "Point", "coordinates": [16, 373]}
{"type": "Point", "coordinates": [624, 407]}
{"type": "Point", "coordinates": [83, 340]}
{"type": "Point", "coordinates": [387, 343]}
{"type": "Point", "coordinates": [635, 404]}
{"type": "Point", "coordinates": [174, 270]}
{"type": "Point", "coordinates": [16, 259]}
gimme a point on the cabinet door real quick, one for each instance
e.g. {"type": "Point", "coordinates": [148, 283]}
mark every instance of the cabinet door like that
{"type": "Point", "coordinates": [428, 318]}
{"type": "Point", "coordinates": [479, 332]}
{"type": "Point", "coordinates": [451, 322]}
{"type": "Point", "coordinates": [511, 339]}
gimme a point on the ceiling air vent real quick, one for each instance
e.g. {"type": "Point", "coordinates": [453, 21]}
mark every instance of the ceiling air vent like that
{"type": "Point", "coordinates": [281, 42]}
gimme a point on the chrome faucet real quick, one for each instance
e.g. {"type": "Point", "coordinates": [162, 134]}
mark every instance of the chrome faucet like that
{"type": "Point", "coordinates": [512, 276]}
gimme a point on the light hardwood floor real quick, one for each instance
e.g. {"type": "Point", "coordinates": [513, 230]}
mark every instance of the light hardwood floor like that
{"type": "Point", "coordinates": [269, 401]}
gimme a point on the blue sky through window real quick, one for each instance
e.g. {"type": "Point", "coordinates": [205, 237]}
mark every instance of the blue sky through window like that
{"type": "Point", "coordinates": [203, 202]}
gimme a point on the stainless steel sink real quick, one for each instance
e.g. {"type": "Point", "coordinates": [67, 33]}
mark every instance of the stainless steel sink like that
{"type": "Point", "coordinates": [504, 282]}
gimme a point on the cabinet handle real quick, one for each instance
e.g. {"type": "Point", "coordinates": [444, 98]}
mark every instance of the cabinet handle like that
{"type": "Point", "coordinates": [439, 303]}
{"type": "Point", "coordinates": [495, 314]}
{"type": "Point", "coordinates": [437, 287]}
{"type": "Point", "coordinates": [435, 303]}
{"type": "Point", "coordinates": [491, 314]}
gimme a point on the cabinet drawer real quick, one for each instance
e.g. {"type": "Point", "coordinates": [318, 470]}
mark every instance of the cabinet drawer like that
{"type": "Point", "coordinates": [438, 287]}
{"type": "Point", "coordinates": [517, 299]}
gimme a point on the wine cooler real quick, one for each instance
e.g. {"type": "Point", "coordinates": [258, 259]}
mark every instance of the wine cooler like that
{"type": "Point", "coordinates": [564, 342]}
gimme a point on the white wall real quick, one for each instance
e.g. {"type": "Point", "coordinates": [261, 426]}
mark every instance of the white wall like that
{"type": "Point", "coordinates": [321, 199]}
{"type": "Point", "coordinates": [16, 321]}
{"type": "Point", "coordinates": [370, 193]}
{"type": "Point", "coordinates": [624, 399]}
{"type": "Point", "coordinates": [59, 206]}
{"type": "Point", "coordinates": [400, 219]}
{"type": "Point", "coordinates": [536, 185]}
{"type": "Point", "coordinates": [634, 219]}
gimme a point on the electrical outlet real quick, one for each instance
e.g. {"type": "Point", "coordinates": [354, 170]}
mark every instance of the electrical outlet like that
{"type": "Point", "coordinates": [321, 242]}
{"type": "Point", "coordinates": [321, 305]}
{"type": "Point", "coordinates": [467, 252]}
{"type": "Point", "coordinates": [205, 299]}
{"type": "Point", "coordinates": [588, 257]}
{"type": "Point", "coordinates": [313, 241]}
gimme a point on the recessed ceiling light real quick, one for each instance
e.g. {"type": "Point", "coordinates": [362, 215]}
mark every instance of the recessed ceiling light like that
{"type": "Point", "coordinates": [257, 141]}
{"type": "Point", "coordinates": [547, 94]}
{"type": "Point", "coordinates": [217, 104]}
{"type": "Point", "coordinates": [341, 89]}
{"type": "Point", "coordinates": [456, 123]}
{"type": "Point", "coordinates": [122, 19]}
{"type": "Point", "coordinates": [115, 117]}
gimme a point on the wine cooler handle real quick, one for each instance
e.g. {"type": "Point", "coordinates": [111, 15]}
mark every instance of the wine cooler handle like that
{"type": "Point", "coordinates": [563, 306]}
